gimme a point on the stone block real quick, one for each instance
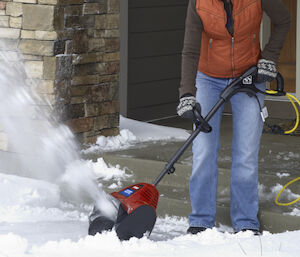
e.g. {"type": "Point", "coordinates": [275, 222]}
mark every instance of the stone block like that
{"type": "Point", "coordinates": [10, 33]}
{"type": "Point", "coordinates": [112, 21]}
{"type": "Point", "coordinates": [50, 2]}
{"type": "Point", "coordinates": [85, 80]}
{"type": "Point", "coordinates": [110, 132]}
{"type": "Point", "coordinates": [64, 69]}
{"type": "Point", "coordinates": [38, 17]}
{"type": "Point", "coordinates": [100, 22]}
{"type": "Point", "coordinates": [73, 10]}
{"type": "Point", "coordinates": [70, 2]}
{"type": "Point", "coordinates": [15, 22]}
{"type": "Point", "coordinates": [50, 67]}
{"type": "Point", "coordinates": [73, 111]}
{"type": "Point", "coordinates": [112, 68]}
{"type": "Point", "coordinates": [86, 21]}
{"type": "Point", "coordinates": [81, 125]}
{"type": "Point", "coordinates": [79, 42]}
{"type": "Point", "coordinates": [41, 86]}
{"type": "Point", "coordinates": [30, 57]}
{"type": "Point", "coordinates": [28, 34]}
{"type": "Point", "coordinates": [89, 69]}
{"type": "Point", "coordinates": [34, 69]}
{"type": "Point", "coordinates": [93, 79]}
{"type": "Point", "coordinates": [108, 78]}
{"type": "Point", "coordinates": [59, 18]}
{"type": "Point", "coordinates": [2, 13]}
{"type": "Point", "coordinates": [2, 5]}
{"type": "Point", "coordinates": [45, 35]}
{"type": "Point", "coordinates": [59, 47]}
{"type": "Point", "coordinates": [99, 93]}
{"type": "Point", "coordinates": [14, 9]}
{"type": "Point", "coordinates": [106, 121]}
{"type": "Point", "coordinates": [79, 90]}
{"type": "Point", "coordinates": [112, 44]}
{"type": "Point", "coordinates": [113, 6]}
{"type": "Point", "coordinates": [109, 107]}
{"type": "Point", "coordinates": [111, 57]}
{"type": "Point", "coordinates": [107, 21]}
{"type": "Point", "coordinates": [96, 45]}
{"type": "Point", "coordinates": [88, 58]}
{"type": "Point", "coordinates": [77, 100]}
{"type": "Point", "coordinates": [37, 47]}
{"type": "Point", "coordinates": [26, 1]}
{"type": "Point", "coordinates": [4, 21]}
{"type": "Point", "coordinates": [96, 109]}
{"type": "Point", "coordinates": [112, 33]}
{"type": "Point", "coordinates": [94, 8]}
{"type": "Point", "coordinates": [91, 109]}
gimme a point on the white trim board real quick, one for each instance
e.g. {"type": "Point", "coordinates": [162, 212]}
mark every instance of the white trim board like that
{"type": "Point", "coordinates": [123, 56]}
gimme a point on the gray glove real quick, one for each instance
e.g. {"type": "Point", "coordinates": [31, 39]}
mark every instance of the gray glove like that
{"type": "Point", "coordinates": [186, 106]}
{"type": "Point", "coordinates": [266, 71]}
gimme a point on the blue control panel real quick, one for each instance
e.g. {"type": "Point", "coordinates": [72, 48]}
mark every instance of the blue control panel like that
{"type": "Point", "coordinates": [129, 191]}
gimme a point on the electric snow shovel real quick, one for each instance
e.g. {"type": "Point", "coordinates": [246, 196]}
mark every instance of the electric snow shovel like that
{"type": "Point", "coordinates": [137, 203]}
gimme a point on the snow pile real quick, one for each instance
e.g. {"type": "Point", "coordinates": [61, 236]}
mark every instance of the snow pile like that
{"type": "Point", "coordinates": [133, 132]}
{"type": "Point", "coordinates": [108, 172]}
{"type": "Point", "coordinates": [123, 141]}
{"type": "Point", "coordinates": [294, 212]}
{"type": "Point", "coordinates": [16, 190]}
{"type": "Point", "coordinates": [270, 195]}
{"type": "Point", "coordinates": [32, 200]}
{"type": "Point", "coordinates": [210, 243]}
{"type": "Point", "coordinates": [283, 174]}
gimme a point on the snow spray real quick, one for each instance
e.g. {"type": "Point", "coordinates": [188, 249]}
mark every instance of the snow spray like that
{"type": "Point", "coordinates": [38, 146]}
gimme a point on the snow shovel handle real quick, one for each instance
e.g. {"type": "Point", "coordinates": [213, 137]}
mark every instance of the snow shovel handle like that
{"type": "Point", "coordinates": [244, 83]}
{"type": "Point", "coordinates": [169, 168]}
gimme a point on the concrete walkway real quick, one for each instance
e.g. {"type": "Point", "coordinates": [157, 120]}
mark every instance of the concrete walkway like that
{"type": "Point", "coordinates": [279, 155]}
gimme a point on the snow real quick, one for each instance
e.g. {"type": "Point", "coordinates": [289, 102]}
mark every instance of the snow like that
{"type": "Point", "coordinates": [209, 243]}
{"type": "Point", "coordinates": [36, 222]}
{"type": "Point", "coordinates": [133, 132]}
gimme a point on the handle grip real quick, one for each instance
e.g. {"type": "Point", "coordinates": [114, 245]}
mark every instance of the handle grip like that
{"type": "Point", "coordinates": [280, 83]}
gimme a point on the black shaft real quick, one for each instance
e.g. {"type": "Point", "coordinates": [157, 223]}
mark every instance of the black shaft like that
{"type": "Point", "coordinates": [240, 84]}
{"type": "Point", "coordinates": [186, 144]}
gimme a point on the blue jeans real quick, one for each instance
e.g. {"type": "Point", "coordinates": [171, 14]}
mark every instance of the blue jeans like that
{"type": "Point", "coordinates": [247, 130]}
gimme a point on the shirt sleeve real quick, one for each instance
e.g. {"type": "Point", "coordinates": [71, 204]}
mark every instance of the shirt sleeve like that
{"type": "Point", "coordinates": [280, 19]}
{"type": "Point", "coordinates": [191, 50]}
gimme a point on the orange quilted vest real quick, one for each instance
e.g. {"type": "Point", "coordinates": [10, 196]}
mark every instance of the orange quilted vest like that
{"type": "Point", "coordinates": [223, 55]}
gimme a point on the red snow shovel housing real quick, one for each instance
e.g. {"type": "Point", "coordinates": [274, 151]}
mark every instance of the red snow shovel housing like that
{"type": "Point", "coordinates": [137, 203]}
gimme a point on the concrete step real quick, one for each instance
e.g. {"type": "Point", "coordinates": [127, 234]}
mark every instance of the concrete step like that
{"type": "Point", "coordinates": [174, 195]}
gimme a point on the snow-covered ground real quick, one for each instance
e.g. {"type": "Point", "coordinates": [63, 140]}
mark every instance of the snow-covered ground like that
{"type": "Point", "coordinates": [36, 220]}
{"type": "Point", "coordinates": [133, 132]}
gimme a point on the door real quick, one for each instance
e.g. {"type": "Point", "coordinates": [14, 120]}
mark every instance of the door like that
{"type": "Point", "coordinates": [155, 41]}
{"type": "Point", "coordinates": [287, 60]}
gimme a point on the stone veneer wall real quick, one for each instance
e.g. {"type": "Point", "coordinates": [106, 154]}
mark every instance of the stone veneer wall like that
{"type": "Point", "coordinates": [71, 49]}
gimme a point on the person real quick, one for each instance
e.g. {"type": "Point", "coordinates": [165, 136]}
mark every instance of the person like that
{"type": "Point", "coordinates": [221, 42]}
